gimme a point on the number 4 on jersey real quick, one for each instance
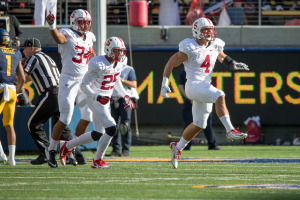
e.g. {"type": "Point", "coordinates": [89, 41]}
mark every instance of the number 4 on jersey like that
{"type": "Point", "coordinates": [206, 64]}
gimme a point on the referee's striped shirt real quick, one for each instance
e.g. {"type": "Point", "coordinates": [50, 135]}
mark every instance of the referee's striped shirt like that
{"type": "Point", "coordinates": [42, 71]}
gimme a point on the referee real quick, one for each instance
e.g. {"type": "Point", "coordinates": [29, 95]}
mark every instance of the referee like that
{"type": "Point", "coordinates": [43, 72]}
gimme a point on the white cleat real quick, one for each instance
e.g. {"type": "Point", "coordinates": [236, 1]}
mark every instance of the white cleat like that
{"type": "Point", "coordinates": [3, 158]}
{"type": "Point", "coordinates": [175, 154]}
{"type": "Point", "coordinates": [11, 162]}
{"type": "Point", "coordinates": [235, 135]}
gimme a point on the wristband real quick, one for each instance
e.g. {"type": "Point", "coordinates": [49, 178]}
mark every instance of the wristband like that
{"type": "Point", "coordinates": [52, 27]}
{"type": "Point", "coordinates": [165, 80]}
{"type": "Point", "coordinates": [228, 62]}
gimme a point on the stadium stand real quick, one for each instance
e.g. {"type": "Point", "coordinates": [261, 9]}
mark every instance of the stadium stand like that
{"type": "Point", "coordinates": [116, 11]}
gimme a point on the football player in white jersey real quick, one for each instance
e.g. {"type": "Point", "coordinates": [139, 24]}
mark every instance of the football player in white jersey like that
{"type": "Point", "coordinates": [199, 56]}
{"type": "Point", "coordinates": [75, 46]}
{"type": "Point", "coordinates": [98, 84]}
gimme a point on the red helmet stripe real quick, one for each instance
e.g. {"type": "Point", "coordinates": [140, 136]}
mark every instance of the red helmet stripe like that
{"type": "Point", "coordinates": [121, 41]}
{"type": "Point", "coordinates": [85, 13]}
{"type": "Point", "coordinates": [208, 21]}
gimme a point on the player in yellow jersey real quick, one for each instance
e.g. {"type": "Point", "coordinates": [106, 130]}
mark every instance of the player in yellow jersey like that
{"type": "Point", "coordinates": [10, 70]}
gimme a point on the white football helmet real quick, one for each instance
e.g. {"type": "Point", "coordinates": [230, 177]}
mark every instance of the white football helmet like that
{"type": "Point", "coordinates": [114, 47]}
{"type": "Point", "coordinates": [79, 16]}
{"type": "Point", "coordinates": [200, 29]}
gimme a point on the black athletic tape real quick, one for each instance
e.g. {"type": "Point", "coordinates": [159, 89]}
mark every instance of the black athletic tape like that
{"type": "Point", "coordinates": [111, 130]}
{"type": "Point", "coordinates": [96, 135]}
{"type": "Point", "coordinates": [228, 62]}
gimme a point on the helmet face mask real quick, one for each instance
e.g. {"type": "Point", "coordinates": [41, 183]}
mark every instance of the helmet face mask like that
{"type": "Point", "coordinates": [81, 21]}
{"type": "Point", "coordinates": [115, 48]}
{"type": "Point", "coordinates": [203, 28]}
{"type": "Point", "coordinates": [119, 54]}
{"type": "Point", "coordinates": [4, 37]}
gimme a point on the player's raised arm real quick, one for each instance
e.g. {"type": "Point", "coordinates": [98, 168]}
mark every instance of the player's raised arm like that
{"type": "Point", "coordinates": [57, 36]}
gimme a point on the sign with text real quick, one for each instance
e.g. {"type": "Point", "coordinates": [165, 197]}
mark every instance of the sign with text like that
{"type": "Point", "coordinates": [271, 89]}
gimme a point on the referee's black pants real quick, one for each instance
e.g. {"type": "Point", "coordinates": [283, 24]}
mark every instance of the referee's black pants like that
{"type": "Point", "coordinates": [45, 107]}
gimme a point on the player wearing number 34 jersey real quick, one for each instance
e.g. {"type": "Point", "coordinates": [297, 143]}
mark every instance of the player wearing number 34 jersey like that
{"type": "Point", "coordinates": [75, 46]}
{"type": "Point", "coordinates": [199, 56]}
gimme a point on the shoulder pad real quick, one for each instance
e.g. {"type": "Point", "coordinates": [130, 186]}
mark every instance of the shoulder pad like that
{"type": "Point", "coordinates": [66, 31]}
{"type": "Point", "coordinates": [96, 63]}
{"type": "Point", "coordinates": [219, 42]}
{"type": "Point", "coordinates": [19, 54]}
{"type": "Point", "coordinates": [186, 45]}
{"type": "Point", "coordinates": [90, 34]}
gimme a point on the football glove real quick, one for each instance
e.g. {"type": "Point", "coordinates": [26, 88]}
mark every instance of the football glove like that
{"type": "Point", "coordinates": [103, 99]}
{"type": "Point", "coordinates": [165, 88]}
{"type": "Point", "coordinates": [128, 103]}
{"type": "Point", "coordinates": [240, 66]}
{"type": "Point", "coordinates": [50, 18]}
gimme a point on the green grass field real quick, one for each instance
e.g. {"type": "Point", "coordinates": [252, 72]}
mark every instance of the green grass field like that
{"type": "Point", "coordinates": [159, 180]}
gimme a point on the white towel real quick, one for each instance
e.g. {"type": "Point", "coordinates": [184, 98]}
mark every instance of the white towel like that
{"type": "Point", "coordinates": [6, 93]}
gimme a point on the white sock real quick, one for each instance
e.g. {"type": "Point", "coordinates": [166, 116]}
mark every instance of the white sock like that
{"type": "Point", "coordinates": [12, 151]}
{"type": "Point", "coordinates": [181, 144]}
{"type": "Point", "coordinates": [53, 144]}
{"type": "Point", "coordinates": [82, 139]}
{"type": "Point", "coordinates": [1, 150]}
{"type": "Point", "coordinates": [226, 123]}
{"type": "Point", "coordinates": [102, 146]}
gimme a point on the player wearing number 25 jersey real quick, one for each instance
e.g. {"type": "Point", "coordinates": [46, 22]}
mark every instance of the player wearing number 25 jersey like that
{"type": "Point", "coordinates": [199, 56]}
{"type": "Point", "coordinates": [75, 46]}
{"type": "Point", "coordinates": [10, 68]}
{"type": "Point", "coordinates": [98, 84]}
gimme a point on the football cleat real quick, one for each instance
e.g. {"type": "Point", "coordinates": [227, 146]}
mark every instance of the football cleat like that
{"type": "Point", "coordinates": [39, 160]}
{"type": "Point", "coordinates": [175, 154]}
{"type": "Point", "coordinates": [3, 158]}
{"type": "Point", "coordinates": [79, 157]}
{"type": "Point", "coordinates": [63, 151]}
{"type": "Point", "coordinates": [72, 159]}
{"type": "Point", "coordinates": [50, 155]}
{"type": "Point", "coordinates": [11, 162]}
{"type": "Point", "coordinates": [235, 135]}
{"type": "Point", "coordinates": [99, 164]}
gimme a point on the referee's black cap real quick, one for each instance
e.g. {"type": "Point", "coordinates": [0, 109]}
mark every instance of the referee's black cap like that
{"type": "Point", "coordinates": [32, 42]}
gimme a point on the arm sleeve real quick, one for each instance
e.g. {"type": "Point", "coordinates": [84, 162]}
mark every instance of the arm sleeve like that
{"type": "Point", "coordinates": [184, 47]}
{"type": "Point", "coordinates": [131, 75]}
{"type": "Point", "coordinates": [17, 27]}
{"type": "Point", "coordinates": [119, 87]}
{"type": "Point", "coordinates": [219, 45]}
{"type": "Point", "coordinates": [87, 80]}
{"type": "Point", "coordinates": [29, 65]}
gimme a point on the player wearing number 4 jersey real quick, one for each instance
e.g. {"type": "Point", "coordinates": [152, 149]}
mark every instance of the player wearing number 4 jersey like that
{"type": "Point", "coordinates": [98, 84]}
{"type": "Point", "coordinates": [199, 56]}
{"type": "Point", "coordinates": [76, 48]}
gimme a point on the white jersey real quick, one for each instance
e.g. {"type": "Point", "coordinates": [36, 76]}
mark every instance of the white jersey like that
{"type": "Point", "coordinates": [102, 77]}
{"type": "Point", "coordinates": [127, 73]}
{"type": "Point", "coordinates": [201, 59]}
{"type": "Point", "coordinates": [75, 52]}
